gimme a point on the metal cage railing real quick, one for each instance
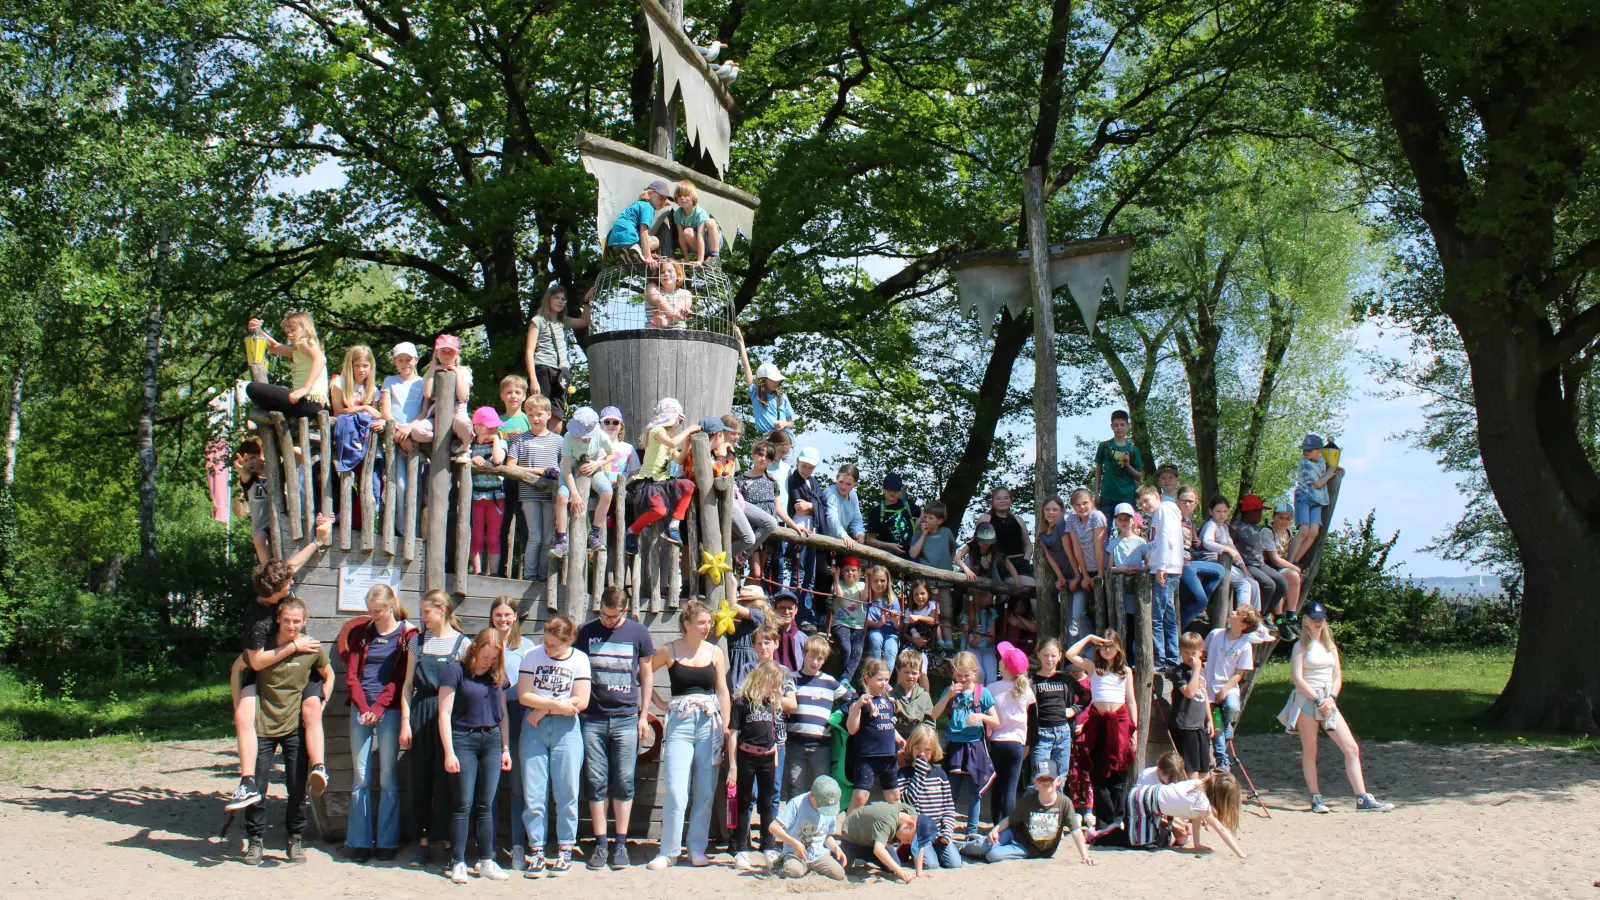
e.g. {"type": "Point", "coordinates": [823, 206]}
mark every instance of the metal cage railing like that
{"type": "Point", "coordinates": [668, 295]}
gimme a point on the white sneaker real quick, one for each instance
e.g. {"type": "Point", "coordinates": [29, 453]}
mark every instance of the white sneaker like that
{"type": "Point", "coordinates": [699, 862]}
{"type": "Point", "coordinates": [458, 873]}
{"type": "Point", "coordinates": [488, 868]}
{"type": "Point", "coordinates": [741, 861]}
{"type": "Point", "coordinates": [773, 858]}
{"type": "Point", "coordinates": [657, 864]}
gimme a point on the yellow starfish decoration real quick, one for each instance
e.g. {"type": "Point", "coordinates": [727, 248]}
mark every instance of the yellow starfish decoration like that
{"type": "Point", "coordinates": [723, 620]}
{"type": "Point", "coordinates": [714, 565]}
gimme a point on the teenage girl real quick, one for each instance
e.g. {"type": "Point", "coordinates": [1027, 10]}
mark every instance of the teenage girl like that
{"type": "Point", "coordinates": [308, 370]}
{"type": "Point", "coordinates": [545, 352]}
{"type": "Point", "coordinates": [697, 674]}
{"type": "Point", "coordinates": [1113, 716]}
{"type": "Point", "coordinates": [1318, 680]}
{"type": "Point", "coordinates": [507, 622]}
{"type": "Point", "coordinates": [554, 684]}
{"type": "Point", "coordinates": [472, 712]}
{"type": "Point", "coordinates": [883, 616]}
{"type": "Point", "coordinates": [1061, 702]}
{"type": "Point", "coordinates": [430, 653]}
{"type": "Point", "coordinates": [375, 669]}
{"type": "Point", "coordinates": [1008, 737]}
{"type": "Point", "coordinates": [753, 741]}
{"type": "Point", "coordinates": [966, 756]}
{"type": "Point", "coordinates": [871, 720]}
{"type": "Point", "coordinates": [1011, 534]}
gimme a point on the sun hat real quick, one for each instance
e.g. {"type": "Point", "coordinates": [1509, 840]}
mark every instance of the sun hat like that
{"type": "Point", "coordinates": [769, 372]}
{"type": "Point", "coordinates": [752, 592]}
{"type": "Point", "coordinates": [404, 348]}
{"type": "Point", "coordinates": [583, 422]}
{"type": "Point", "coordinates": [985, 533]}
{"type": "Point", "coordinates": [825, 794]}
{"type": "Point", "coordinates": [1250, 502]}
{"type": "Point", "coordinates": [808, 455]}
{"type": "Point", "coordinates": [850, 561]}
{"type": "Point", "coordinates": [1124, 509]}
{"type": "Point", "coordinates": [447, 342]}
{"type": "Point", "coordinates": [712, 425]}
{"type": "Point", "coordinates": [667, 412]}
{"type": "Point", "coordinates": [1312, 441]}
{"type": "Point", "coordinates": [893, 482]}
{"type": "Point", "coordinates": [1012, 657]}
{"type": "Point", "coordinates": [611, 412]}
{"type": "Point", "coordinates": [487, 417]}
{"type": "Point", "coordinates": [1314, 610]}
{"type": "Point", "coordinates": [663, 188]}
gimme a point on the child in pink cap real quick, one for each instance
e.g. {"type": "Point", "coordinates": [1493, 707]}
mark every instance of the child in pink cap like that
{"type": "Point", "coordinates": [1008, 738]}
{"type": "Point", "coordinates": [446, 358]}
{"type": "Point", "coordinates": [488, 490]}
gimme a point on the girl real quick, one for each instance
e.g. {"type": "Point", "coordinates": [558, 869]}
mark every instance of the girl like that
{"type": "Point", "coordinates": [401, 403]}
{"type": "Point", "coordinates": [769, 404]}
{"type": "Point", "coordinates": [698, 233]}
{"type": "Point", "coordinates": [1053, 535]}
{"type": "Point", "coordinates": [1216, 544]}
{"type": "Point", "coordinates": [1008, 737]}
{"type": "Point", "coordinates": [1200, 576]}
{"type": "Point", "coordinates": [554, 684]}
{"type": "Point", "coordinates": [849, 617]}
{"type": "Point", "coordinates": [749, 614]}
{"type": "Point", "coordinates": [1311, 479]}
{"type": "Point", "coordinates": [625, 459]}
{"type": "Point", "coordinates": [922, 622]}
{"type": "Point", "coordinates": [1011, 534]}
{"type": "Point", "coordinates": [355, 389]}
{"type": "Point", "coordinates": [472, 708]}
{"type": "Point", "coordinates": [1276, 553]}
{"type": "Point", "coordinates": [759, 490]}
{"type": "Point", "coordinates": [1061, 701]}
{"type": "Point", "coordinates": [1318, 679]}
{"type": "Point", "coordinates": [697, 675]}
{"type": "Point", "coordinates": [1087, 550]}
{"type": "Point", "coordinates": [1168, 769]}
{"type": "Point", "coordinates": [924, 785]}
{"type": "Point", "coordinates": [630, 239]}
{"type": "Point", "coordinates": [446, 358]}
{"type": "Point", "coordinates": [753, 741]}
{"type": "Point", "coordinates": [1113, 716]}
{"type": "Point", "coordinates": [375, 668]}
{"type": "Point", "coordinates": [979, 626]}
{"type": "Point", "coordinates": [970, 705]}
{"type": "Point", "coordinates": [545, 352]}
{"type": "Point", "coordinates": [430, 652]}
{"type": "Point", "coordinates": [675, 305]}
{"type": "Point", "coordinates": [488, 490]}
{"type": "Point", "coordinates": [507, 622]}
{"type": "Point", "coordinates": [657, 489]}
{"type": "Point", "coordinates": [308, 370]}
{"type": "Point", "coordinates": [871, 720]}
{"type": "Point", "coordinates": [1183, 805]}
{"type": "Point", "coordinates": [1017, 624]}
{"type": "Point", "coordinates": [841, 518]}
{"type": "Point", "coordinates": [883, 616]}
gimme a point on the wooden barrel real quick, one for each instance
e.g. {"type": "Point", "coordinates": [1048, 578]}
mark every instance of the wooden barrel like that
{"type": "Point", "coordinates": [633, 369]}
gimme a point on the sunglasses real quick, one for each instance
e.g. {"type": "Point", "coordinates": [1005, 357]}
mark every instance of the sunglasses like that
{"type": "Point", "coordinates": [610, 421]}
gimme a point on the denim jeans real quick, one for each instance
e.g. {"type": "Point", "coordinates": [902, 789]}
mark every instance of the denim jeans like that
{"type": "Point", "coordinates": [386, 734]}
{"type": "Point", "coordinates": [1007, 847]}
{"type": "Point", "coordinates": [946, 857]}
{"type": "Point", "coordinates": [850, 641]}
{"type": "Point", "coordinates": [1200, 579]}
{"type": "Point", "coordinates": [1230, 715]}
{"type": "Point", "coordinates": [515, 713]}
{"type": "Point", "coordinates": [1082, 621]}
{"type": "Point", "coordinates": [965, 796]}
{"type": "Point", "coordinates": [883, 646]}
{"type": "Point", "coordinates": [988, 663]}
{"type": "Point", "coordinates": [1054, 744]}
{"type": "Point", "coordinates": [552, 757]}
{"type": "Point", "coordinates": [541, 518]}
{"type": "Point", "coordinates": [610, 751]}
{"type": "Point", "coordinates": [804, 761]}
{"type": "Point", "coordinates": [688, 763]}
{"type": "Point", "coordinates": [478, 751]}
{"type": "Point", "coordinates": [1164, 620]}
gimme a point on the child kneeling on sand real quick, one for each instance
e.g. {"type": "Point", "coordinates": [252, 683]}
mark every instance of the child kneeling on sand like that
{"type": "Point", "coordinates": [805, 827]}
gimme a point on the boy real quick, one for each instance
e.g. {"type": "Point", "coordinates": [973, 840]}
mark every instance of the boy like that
{"type": "Point", "coordinates": [1229, 655]}
{"type": "Point", "coordinates": [283, 687]}
{"type": "Point", "coordinates": [538, 450]}
{"type": "Point", "coordinates": [805, 511]}
{"type": "Point", "coordinates": [935, 546]}
{"type": "Point", "coordinates": [587, 449]}
{"type": "Point", "coordinates": [1165, 559]}
{"type": "Point", "coordinates": [870, 833]}
{"type": "Point", "coordinates": [697, 231]}
{"type": "Point", "coordinates": [892, 523]}
{"type": "Point", "coordinates": [810, 746]}
{"type": "Point", "coordinates": [251, 470]}
{"type": "Point", "coordinates": [1167, 480]}
{"type": "Point", "coordinates": [1310, 495]}
{"type": "Point", "coordinates": [513, 391]}
{"type": "Point", "coordinates": [805, 827]}
{"type": "Point", "coordinates": [1252, 546]}
{"type": "Point", "coordinates": [1118, 466]}
{"type": "Point", "coordinates": [1190, 719]}
{"type": "Point", "coordinates": [1033, 830]}
{"type": "Point", "coordinates": [262, 649]}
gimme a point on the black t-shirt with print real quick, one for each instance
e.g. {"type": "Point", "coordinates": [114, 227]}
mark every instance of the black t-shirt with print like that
{"type": "Point", "coordinates": [896, 523]}
{"type": "Point", "coordinates": [757, 724]}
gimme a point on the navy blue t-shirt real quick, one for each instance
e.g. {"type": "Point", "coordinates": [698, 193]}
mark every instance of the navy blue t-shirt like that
{"type": "Point", "coordinates": [876, 735]}
{"type": "Point", "coordinates": [477, 703]}
{"type": "Point", "coordinates": [380, 662]}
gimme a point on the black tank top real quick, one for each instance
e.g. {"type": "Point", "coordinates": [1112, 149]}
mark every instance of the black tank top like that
{"type": "Point", "coordinates": [686, 679]}
{"type": "Point", "coordinates": [1007, 534]}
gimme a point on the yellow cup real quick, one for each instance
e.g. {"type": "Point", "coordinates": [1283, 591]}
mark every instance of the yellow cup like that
{"type": "Point", "coordinates": [1330, 455]}
{"type": "Point", "coordinates": [255, 349]}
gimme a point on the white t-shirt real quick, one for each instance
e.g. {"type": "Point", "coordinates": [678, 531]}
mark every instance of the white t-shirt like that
{"type": "Point", "coordinates": [1182, 799]}
{"type": "Point", "coordinates": [1149, 777]}
{"type": "Point", "coordinates": [1012, 711]}
{"type": "Point", "coordinates": [1225, 658]}
{"type": "Point", "coordinates": [553, 678]}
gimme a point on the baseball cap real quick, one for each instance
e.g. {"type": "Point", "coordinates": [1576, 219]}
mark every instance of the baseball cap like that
{"type": "Point", "coordinates": [1251, 502]}
{"type": "Point", "coordinates": [404, 348]}
{"type": "Point", "coordinates": [825, 793]}
{"type": "Point", "coordinates": [583, 422]}
{"type": "Point", "coordinates": [1313, 441]}
{"type": "Point", "coordinates": [712, 425]}
{"type": "Point", "coordinates": [769, 372]}
{"type": "Point", "coordinates": [661, 187]}
{"type": "Point", "coordinates": [926, 832]}
{"type": "Point", "coordinates": [447, 342]}
{"type": "Point", "coordinates": [1314, 610]}
{"type": "Point", "coordinates": [785, 596]}
{"type": "Point", "coordinates": [1284, 508]}
{"type": "Point", "coordinates": [1046, 768]}
{"type": "Point", "coordinates": [985, 533]}
{"type": "Point", "coordinates": [1123, 509]}
{"type": "Point", "coordinates": [487, 417]}
{"type": "Point", "coordinates": [851, 561]}
{"type": "Point", "coordinates": [808, 455]}
{"type": "Point", "coordinates": [1168, 466]}
{"type": "Point", "coordinates": [893, 482]}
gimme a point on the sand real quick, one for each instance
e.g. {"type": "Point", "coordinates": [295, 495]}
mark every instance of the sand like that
{"type": "Point", "coordinates": [132, 821]}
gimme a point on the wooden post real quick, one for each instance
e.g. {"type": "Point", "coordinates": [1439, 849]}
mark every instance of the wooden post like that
{"type": "Point", "coordinates": [291, 475]}
{"type": "Point", "coordinates": [308, 466]}
{"type": "Point", "coordinates": [325, 461]}
{"type": "Point", "coordinates": [1143, 671]}
{"type": "Point", "coordinates": [552, 587]}
{"type": "Point", "coordinates": [663, 116]}
{"type": "Point", "coordinates": [1046, 407]}
{"type": "Point", "coordinates": [577, 562]}
{"type": "Point", "coordinates": [1117, 602]}
{"type": "Point", "coordinates": [710, 521]}
{"type": "Point", "coordinates": [463, 473]}
{"type": "Point", "coordinates": [346, 505]}
{"type": "Point", "coordinates": [619, 536]}
{"type": "Point", "coordinates": [391, 465]}
{"type": "Point", "coordinates": [639, 601]}
{"type": "Point", "coordinates": [724, 488]}
{"type": "Point", "coordinates": [369, 505]}
{"type": "Point", "coordinates": [1221, 605]}
{"type": "Point", "coordinates": [444, 411]}
{"type": "Point", "coordinates": [674, 565]}
{"type": "Point", "coordinates": [413, 486]}
{"type": "Point", "coordinates": [269, 455]}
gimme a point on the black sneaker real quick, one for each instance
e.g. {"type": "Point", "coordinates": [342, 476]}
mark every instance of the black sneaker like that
{"type": "Point", "coordinates": [360, 854]}
{"type": "Point", "coordinates": [317, 781]}
{"type": "Point", "coordinates": [252, 853]}
{"type": "Point", "coordinates": [297, 849]}
{"type": "Point", "coordinates": [597, 859]}
{"type": "Point", "coordinates": [619, 855]}
{"type": "Point", "coordinates": [244, 795]}
{"type": "Point", "coordinates": [562, 864]}
{"type": "Point", "coordinates": [386, 854]}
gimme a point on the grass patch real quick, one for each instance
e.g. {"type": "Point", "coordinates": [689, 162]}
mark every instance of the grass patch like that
{"type": "Point", "coordinates": [1435, 697]}
{"type": "Point", "coordinates": [182, 707]}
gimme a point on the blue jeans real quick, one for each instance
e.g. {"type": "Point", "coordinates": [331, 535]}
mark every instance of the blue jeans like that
{"type": "Point", "coordinates": [988, 662]}
{"type": "Point", "coordinates": [688, 763]}
{"type": "Point", "coordinates": [884, 646]}
{"type": "Point", "coordinates": [946, 857]}
{"type": "Point", "coordinates": [541, 518]}
{"type": "Point", "coordinates": [972, 801]}
{"type": "Point", "coordinates": [478, 751]}
{"type": "Point", "coordinates": [515, 713]}
{"type": "Point", "coordinates": [552, 756]}
{"type": "Point", "coordinates": [1082, 622]}
{"type": "Point", "coordinates": [850, 641]}
{"type": "Point", "coordinates": [610, 750]}
{"type": "Point", "coordinates": [1007, 847]}
{"type": "Point", "coordinates": [1164, 620]}
{"type": "Point", "coordinates": [1230, 715]}
{"type": "Point", "coordinates": [386, 734]}
{"type": "Point", "coordinates": [1199, 579]}
{"type": "Point", "coordinates": [1055, 744]}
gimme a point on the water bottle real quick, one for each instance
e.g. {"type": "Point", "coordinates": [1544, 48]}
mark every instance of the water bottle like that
{"type": "Point", "coordinates": [732, 813]}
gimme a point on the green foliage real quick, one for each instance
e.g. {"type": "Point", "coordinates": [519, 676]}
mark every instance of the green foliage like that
{"type": "Point", "coordinates": [173, 707]}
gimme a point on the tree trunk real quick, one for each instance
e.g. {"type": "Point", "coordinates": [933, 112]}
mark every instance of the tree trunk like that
{"type": "Point", "coordinates": [1280, 331]}
{"type": "Point", "coordinates": [1009, 337]}
{"type": "Point", "coordinates": [1199, 355]}
{"type": "Point", "coordinates": [14, 422]}
{"type": "Point", "coordinates": [145, 439]}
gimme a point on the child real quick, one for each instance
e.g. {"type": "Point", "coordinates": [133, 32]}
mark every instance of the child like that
{"type": "Point", "coordinates": [935, 545]}
{"type": "Point", "coordinates": [1209, 801]}
{"type": "Point", "coordinates": [354, 390]}
{"type": "Point", "coordinates": [513, 391]}
{"type": "Point", "coordinates": [251, 470]}
{"type": "Point", "coordinates": [769, 405]}
{"type": "Point", "coordinates": [1216, 544]}
{"type": "Point", "coordinates": [1229, 655]}
{"type": "Point", "coordinates": [1054, 537]}
{"type": "Point", "coordinates": [446, 358]}
{"type": "Point", "coordinates": [679, 303]}
{"type": "Point", "coordinates": [1061, 701]}
{"type": "Point", "coordinates": [488, 491]}
{"type": "Point", "coordinates": [667, 309]}
{"type": "Point", "coordinates": [1008, 737]}
{"type": "Point", "coordinates": [924, 785]}
{"type": "Point", "coordinates": [698, 234]}
{"type": "Point", "coordinates": [922, 621]}
{"type": "Point", "coordinates": [752, 750]}
{"type": "Point", "coordinates": [871, 720]}
{"type": "Point", "coordinates": [477, 747]}
{"type": "Point", "coordinates": [1113, 717]}
{"type": "Point", "coordinates": [849, 617]}
{"type": "Point", "coordinates": [1189, 722]}
{"type": "Point", "coordinates": [657, 488]}
{"type": "Point", "coordinates": [1165, 558]}
{"type": "Point", "coordinates": [810, 744]}
{"type": "Point", "coordinates": [1118, 466]}
{"type": "Point", "coordinates": [892, 522]}
{"type": "Point", "coordinates": [401, 400]}
{"type": "Point", "coordinates": [760, 491]}
{"type": "Point", "coordinates": [538, 451]}
{"type": "Point", "coordinates": [1310, 495]}
{"type": "Point", "coordinates": [805, 826]}
{"type": "Point", "coordinates": [977, 628]}
{"type": "Point", "coordinates": [968, 763]}
{"type": "Point", "coordinates": [630, 239]}
{"type": "Point", "coordinates": [1126, 552]}
{"type": "Point", "coordinates": [883, 616]}
{"type": "Point", "coordinates": [913, 706]}
{"type": "Point", "coordinates": [805, 514]}
{"type": "Point", "coordinates": [1252, 546]}
{"type": "Point", "coordinates": [1276, 553]}
{"type": "Point", "coordinates": [1168, 769]}
{"type": "Point", "coordinates": [749, 615]}
{"type": "Point", "coordinates": [545, 353]}
{"type": "Point", "coordinates": [308, 369]}
{"type": "Point", "coordinates": [585, 451]}
{"type": "Point", "coordinates": [1087, 549]}
{"type": "Point", "coordinates": [1033, 830]}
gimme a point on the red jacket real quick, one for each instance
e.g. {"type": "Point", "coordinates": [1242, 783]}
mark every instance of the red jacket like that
{"type": "Point", "coordinates": [353, 647]}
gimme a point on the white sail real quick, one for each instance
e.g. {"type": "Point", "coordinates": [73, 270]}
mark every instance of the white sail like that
{"type": "Point", "coordinates": [703, 114]}
{"type": "Point", "coordinates": [621, 183]}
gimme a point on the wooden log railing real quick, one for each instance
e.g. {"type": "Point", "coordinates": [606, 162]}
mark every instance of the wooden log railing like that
{"type": "Point", "coordinates": [900, 565]}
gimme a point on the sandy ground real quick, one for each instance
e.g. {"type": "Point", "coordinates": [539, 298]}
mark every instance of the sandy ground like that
{"type": "Point", "coordinates": [132, 821]}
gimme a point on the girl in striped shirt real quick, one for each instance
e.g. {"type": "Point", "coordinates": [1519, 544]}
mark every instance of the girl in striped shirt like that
{"type": "Point", "coordinates": [924, 785]}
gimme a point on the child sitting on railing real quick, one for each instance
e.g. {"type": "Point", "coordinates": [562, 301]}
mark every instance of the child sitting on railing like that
{"type": "Point", "coordinates": [488, 490]}
{"type": "Point", "coordinates": [446, 358]}
{"type": "Point", "coordinates": [698, 233]}
{"type": "Point", "coordinates": [587, 451]}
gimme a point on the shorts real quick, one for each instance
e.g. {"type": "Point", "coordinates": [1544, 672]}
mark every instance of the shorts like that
{"type": "Point", "coordinates": [599, 482]}
{"type": "Point", "coordinates": [1195, 748]}
{"type": "Point", "coordinates": [1306, 512]}
{"type": "Point", "coordinates": [882, 770]}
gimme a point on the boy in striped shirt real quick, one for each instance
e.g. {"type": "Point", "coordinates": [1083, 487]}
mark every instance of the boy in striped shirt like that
{"type": "Point", "coordinates": [810, 752]}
